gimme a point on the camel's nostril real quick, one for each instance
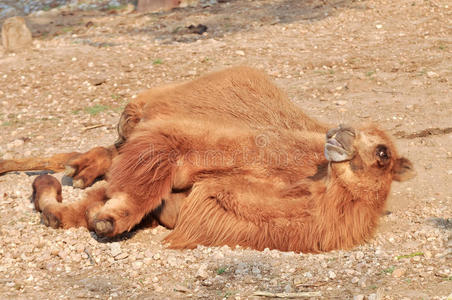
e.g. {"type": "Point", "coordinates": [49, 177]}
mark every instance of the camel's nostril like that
{"type": "Point", "coordinates": [329, 134]}
{"type": "Point", "coordinates": [332, 132]}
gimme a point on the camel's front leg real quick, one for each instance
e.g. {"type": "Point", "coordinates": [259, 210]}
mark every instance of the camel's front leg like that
{"type": "Point", "coordinates": [119, 214]}
{"type": "Point", "coordinates": [140, 177]}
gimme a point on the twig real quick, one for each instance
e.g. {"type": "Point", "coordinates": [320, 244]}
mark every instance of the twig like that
{"type": "Point", "coordinates": [93, 127]}
{"type": "Point", "coordinates": [90, 257]}
{"type": "Point", "coordinates": [423, 133]}
{"type": "Point", "coordinates": [387, 92]}
{"type": "Point", "coordinates": [306, 285]}
{"type": "Point", "coordinates": [287, 295]}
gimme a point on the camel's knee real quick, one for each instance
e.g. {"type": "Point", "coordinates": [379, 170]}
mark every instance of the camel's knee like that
{"type": "Point", "coordinates": [46, 190]}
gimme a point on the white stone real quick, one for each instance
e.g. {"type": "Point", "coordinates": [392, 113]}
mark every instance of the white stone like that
{"type": "Point", "coordinates": [359, 255]}
{"type": "Point", "coordinates": [431, 74]}
{"type": "Point", "coordinates": [340, 102]}
{"type": "Point", "coordinates": [331, 274]}
{"type": "Point", "coordinates": [172, 261]}
{"type": "Point", "coordinates": [255, 270]}
{"type": "Point", "coordinates": [137, 265]}
{"type": "Point", "coordinates": [115, 249]}
{"type": "Point", "coordinates": [15, 34]}
{"type": "Point", "coordinates": [372, 297]}
{"type": "Point", "coordinates": [14, 144]}
{"type": "Point", "coordinates": [398, 272]}
{"type": "Point", "coordinates": [308, 274]}
{"type": "Point", "coordinates": [202, 272]}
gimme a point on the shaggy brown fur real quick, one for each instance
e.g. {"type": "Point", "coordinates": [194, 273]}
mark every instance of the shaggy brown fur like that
{"type": "Point", "coordinates": [229, 160]}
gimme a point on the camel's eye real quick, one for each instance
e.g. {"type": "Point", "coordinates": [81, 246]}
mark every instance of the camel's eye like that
{"type": "Point", "coordinates": [382, 153]}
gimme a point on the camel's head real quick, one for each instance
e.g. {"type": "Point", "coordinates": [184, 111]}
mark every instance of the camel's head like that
{"type": "Point", "coordinates": [368, 150]}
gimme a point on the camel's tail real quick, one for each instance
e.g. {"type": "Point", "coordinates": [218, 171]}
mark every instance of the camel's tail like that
{"type": "Point", "coordinates": [54, 163]}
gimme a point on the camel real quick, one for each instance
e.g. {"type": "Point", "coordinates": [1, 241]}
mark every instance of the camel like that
{"type": "Point", "coordinates": [227, 159]}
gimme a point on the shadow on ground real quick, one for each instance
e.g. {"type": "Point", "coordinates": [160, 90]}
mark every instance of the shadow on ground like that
{"type": "Point", "coordinates": [169, 27]}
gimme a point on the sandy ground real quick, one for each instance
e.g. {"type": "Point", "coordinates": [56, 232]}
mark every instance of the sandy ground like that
{"type": "Point", "coordinates": [387, 62]}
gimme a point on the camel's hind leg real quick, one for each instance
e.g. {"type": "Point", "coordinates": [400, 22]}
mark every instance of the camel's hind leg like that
{"type": "Point", "coordinates": [54, 163]}
{"type": "Point", "coordinates": [90, 165]}
{"type": "Point", "coordinates": [48, 200]}
{"type": "Point", "coordinates": [83, 167]}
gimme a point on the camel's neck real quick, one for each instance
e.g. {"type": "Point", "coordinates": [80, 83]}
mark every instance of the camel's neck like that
{"type": "Point", "coordinates": [347, 218]}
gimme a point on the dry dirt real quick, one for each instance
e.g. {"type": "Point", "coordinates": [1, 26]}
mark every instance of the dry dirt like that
{"type": "Point", "coordinates": [387, 62]}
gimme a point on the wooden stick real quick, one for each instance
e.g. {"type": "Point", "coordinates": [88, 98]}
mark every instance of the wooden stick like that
{"type": "Point", "coordinates": [287, 295]}
{"type": "Point", "coordinates": [93, 127]}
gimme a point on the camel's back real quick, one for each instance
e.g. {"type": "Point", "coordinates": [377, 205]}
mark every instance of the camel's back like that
{"type": "Point", "coordinates": [239, 95]}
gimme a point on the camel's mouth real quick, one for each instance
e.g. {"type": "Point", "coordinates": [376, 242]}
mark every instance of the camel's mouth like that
{"type": "Point", "coordinates": [335, 143]}
{"type": "Point", "coordinates": [335, 151]}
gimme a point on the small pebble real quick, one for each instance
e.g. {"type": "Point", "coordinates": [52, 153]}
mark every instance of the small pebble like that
{"type": "Point", "coordinates": [399, 272]}
{"type": "Point", "coordinates": [331, 274]}
{"type": "Point", "coordinates": [202, 272]}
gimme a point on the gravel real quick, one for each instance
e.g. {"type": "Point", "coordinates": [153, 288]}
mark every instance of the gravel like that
{"type": "Point", "coordinates": [330, 58]}
{"type": "Point", "coordinates": [33, 256]}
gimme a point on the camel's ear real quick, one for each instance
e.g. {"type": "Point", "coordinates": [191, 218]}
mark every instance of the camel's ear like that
{"type": "Point", "coordinates": [403, 170]}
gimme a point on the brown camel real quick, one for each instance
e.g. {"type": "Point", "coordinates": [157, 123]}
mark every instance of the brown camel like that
{"type": "Point", "coordinates": [227, 159]}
